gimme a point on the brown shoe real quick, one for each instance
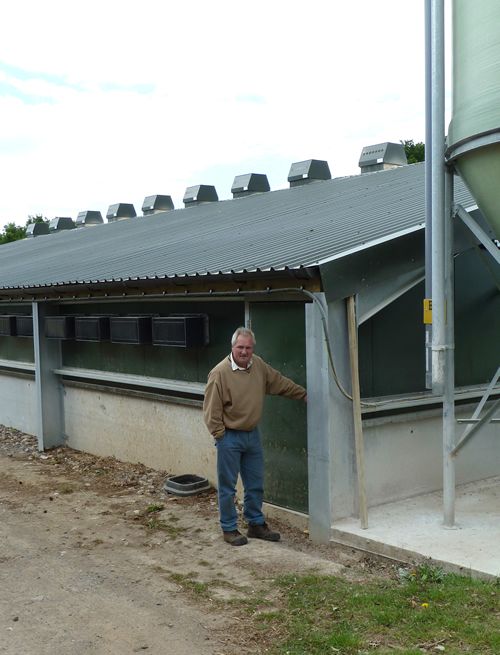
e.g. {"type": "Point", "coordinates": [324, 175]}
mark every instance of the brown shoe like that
{"type": "Point", "coordinates": [262, 532]}
{"type": "Point", "coordinates": [235, 538]}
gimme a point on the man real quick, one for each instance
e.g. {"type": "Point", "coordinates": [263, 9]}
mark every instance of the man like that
{"type": "Point", "coordinates": [234, 399]}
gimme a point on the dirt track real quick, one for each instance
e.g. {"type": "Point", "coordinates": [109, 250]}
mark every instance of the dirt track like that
{"type": "Point", "coordinates": [95, 558]}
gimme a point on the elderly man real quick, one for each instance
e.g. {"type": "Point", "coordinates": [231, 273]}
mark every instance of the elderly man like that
{"type": "Point", "coordinates": [234, 399]}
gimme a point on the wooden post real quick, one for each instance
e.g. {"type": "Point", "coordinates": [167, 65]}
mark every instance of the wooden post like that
{"type": "Point", "coordinates": [356, 409]}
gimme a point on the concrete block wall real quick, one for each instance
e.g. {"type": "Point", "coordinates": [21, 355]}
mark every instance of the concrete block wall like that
{"type": "Point", "coordinates": [18, 402]}
{"type": "Point", "coordinates": [156, 433]}
{"type": "Point", "coordinates": [403, 455]}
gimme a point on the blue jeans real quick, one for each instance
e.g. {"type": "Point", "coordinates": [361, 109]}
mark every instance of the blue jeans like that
{"type": "Point", "coordinates": [240, 452]}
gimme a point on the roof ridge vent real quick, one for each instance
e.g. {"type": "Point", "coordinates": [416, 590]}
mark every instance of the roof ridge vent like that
{"type": "Point", "coordinates": [310, 170]}
{"type": "Point", "coordinates": [246, 185]}
{"type": "Point", "coordinates": [156, 204]}
{"type": "Point", "coordinates": [88, 217]}
{"type": "Point", "coordinates": [382, 157]}
{"type": "Point", "coordinates": [199, 194]}
{"type": "Point", "coordinates": [36, 229]}
{"type": "Point", "coordinates": [120, 211]}
{"type": "Point", "coordinates": [60, 223]}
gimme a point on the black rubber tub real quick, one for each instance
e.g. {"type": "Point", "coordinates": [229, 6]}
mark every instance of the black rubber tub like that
{"type": "Point", "coordinates": [186, 485]}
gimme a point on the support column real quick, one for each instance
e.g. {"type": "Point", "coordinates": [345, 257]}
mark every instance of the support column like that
{"type": "Point", "coordinates": [449, 364]}
{"type": "Point", "coordinates": [319, 444]}
{"type": "Point", "coordinates": [330, 432]}
{"type": "Point", "coordinates": [345, 491]}
{"type": "Point", "coordinates": [428, 187]}
{"type": "Point", "coordinates": [437, 199]}
{"type": "Point", "coordinates": [49, 394]}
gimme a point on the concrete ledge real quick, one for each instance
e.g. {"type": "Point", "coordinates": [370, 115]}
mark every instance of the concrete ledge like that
{"type": "Point", "coordinates": [403, 555]}
{"type": "Point", "coordinates": [17, 365]}
{"type": "Point", "coordinates": [180, 386]}
{"type": "Point", "coordinates": [289, 516]}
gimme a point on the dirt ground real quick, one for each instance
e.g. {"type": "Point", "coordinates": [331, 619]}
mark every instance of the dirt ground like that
{"type": "Point", "coordinates": [96, 558]}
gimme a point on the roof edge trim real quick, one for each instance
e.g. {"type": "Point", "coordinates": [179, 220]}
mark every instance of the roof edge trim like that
{"type": "Point", "coordinates": [371, 244]}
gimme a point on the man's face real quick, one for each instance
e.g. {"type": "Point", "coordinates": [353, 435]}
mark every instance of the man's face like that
{"type": "Point", "coordinates": [242, 350]}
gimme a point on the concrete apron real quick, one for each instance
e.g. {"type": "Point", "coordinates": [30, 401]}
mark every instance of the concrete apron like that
{"type": "Point", "coordinates": [412, 530]}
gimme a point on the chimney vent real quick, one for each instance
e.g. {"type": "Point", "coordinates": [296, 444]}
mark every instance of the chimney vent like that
{"type": "Point", "coordinates": [120, 211]}
{"type": "Point", "coordinates": [245, 185]}
{"type": "Point", "coordinates": [88, 217]}
{"type": "Point", "coordinates": [61, 223]}
{"type": "Point", "coordinates": [310, 170]}
{"type": "Point", "coordinates": [156, 204]}
{"type": "Point", "coordinates": [37, 229]}
{"type": "Point", "coordinates": [382, 157]}
{"type": "Point", "coordinates": [201, 193]}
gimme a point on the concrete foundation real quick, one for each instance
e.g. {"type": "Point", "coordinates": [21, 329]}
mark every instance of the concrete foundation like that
{"type": "Point", "coordinates": [412, 530]}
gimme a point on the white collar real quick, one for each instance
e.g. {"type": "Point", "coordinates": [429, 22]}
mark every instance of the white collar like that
{"type": "Point", "coordinates": [234, 365]}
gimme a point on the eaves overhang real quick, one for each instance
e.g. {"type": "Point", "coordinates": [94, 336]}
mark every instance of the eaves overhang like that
{"type": "Point", "coordinates": [236, 281]}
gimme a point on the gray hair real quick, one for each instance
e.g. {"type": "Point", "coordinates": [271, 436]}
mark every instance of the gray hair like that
{"type": "Point", "coordinates": [243, 332]}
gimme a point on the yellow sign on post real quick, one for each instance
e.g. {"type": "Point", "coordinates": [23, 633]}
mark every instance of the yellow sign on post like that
{"type": "Point", "coordinates": [427, 311]}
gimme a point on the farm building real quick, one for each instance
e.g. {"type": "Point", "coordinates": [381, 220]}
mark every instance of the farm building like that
{"type": "Point", "coordinates": [108, 331]}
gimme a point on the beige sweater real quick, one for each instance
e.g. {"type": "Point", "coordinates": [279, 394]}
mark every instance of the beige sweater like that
{"type": "Point", "coordinates": [234, 399]}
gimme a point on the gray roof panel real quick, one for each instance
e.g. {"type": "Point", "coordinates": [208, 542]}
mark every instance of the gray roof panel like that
{"type": "Point", "coordinates": [289, 228]}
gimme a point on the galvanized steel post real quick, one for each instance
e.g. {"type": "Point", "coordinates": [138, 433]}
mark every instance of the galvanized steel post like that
{"type": "Point", "coordinates": [442, 262]}
{"type": "Point", "coordinates": [428, 189]}
{"type": "Point", "coordinates": [50, 428]}
{"type": "Point", "coordinates": [449, 423]}
{"type": "Point", "coordinates": [437, 199]}
{"type": "Point", "coordinates": [320, 457]}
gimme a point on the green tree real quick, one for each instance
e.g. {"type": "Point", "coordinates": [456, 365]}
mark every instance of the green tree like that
{"type": "Point", "coordinates": [415, 152]}
{"type": "Point", "coordinates": [38, 218]}
{"type": "Point", "coordinates": [13, 232]}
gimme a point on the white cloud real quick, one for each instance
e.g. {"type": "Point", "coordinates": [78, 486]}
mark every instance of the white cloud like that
{"type": "Point", "coordinates": [105, 102]}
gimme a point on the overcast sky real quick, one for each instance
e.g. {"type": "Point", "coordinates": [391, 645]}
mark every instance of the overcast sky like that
{"type": "Point", "coordinates": [108, 101]}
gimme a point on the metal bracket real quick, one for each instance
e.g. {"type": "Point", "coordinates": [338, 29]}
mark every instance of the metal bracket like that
{"type": "Point", "coordinates": [475, 422]}
{"type": "Point", "coordinates": [478, 232]}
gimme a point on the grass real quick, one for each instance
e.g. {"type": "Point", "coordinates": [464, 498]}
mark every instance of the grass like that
{"type": "Point", "coordinates": [155, 507]}
{"type": "Point", "coordinates": [424, 611]}
{"type": "Point", "coordinates": [173, 531]}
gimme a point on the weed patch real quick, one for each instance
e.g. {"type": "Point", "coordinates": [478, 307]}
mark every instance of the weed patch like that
{"type": "Point", "coordinates": [186, 581]}
{"type": "Point", "coordinates": [155, 507]}
{"type": "Point", "coordinates": [173, 531]}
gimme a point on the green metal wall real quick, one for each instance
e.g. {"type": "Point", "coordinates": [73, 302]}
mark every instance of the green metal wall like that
{"type": "Point", "coordinates": [391, 344]}
{"type": "Point", "coordinates": [477, 318]}
{"type": "Point", "coordinates": [280, 332]}
{"type": "Point", "coordinates": [391, 348]}
{"type": "Point", "coordinates": [19, 349]}
{"type": "Point", "coordinates": [191, 364]}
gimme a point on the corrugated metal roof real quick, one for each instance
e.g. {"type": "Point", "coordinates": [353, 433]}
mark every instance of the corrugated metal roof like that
{"type": "Point", "coordinates": [289, 228]}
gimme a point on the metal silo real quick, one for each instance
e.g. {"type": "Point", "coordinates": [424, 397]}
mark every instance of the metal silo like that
{"type": "Point", "coordinates": [474, 131]}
